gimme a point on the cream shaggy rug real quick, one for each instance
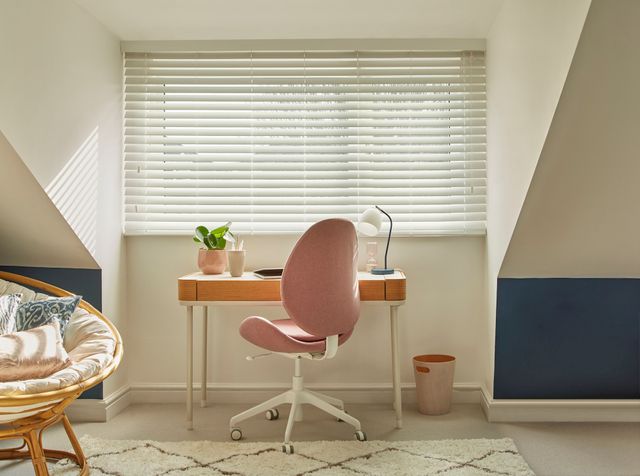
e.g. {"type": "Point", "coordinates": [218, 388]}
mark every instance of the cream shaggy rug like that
{"type": "Point", "coordinates": [318, 458]}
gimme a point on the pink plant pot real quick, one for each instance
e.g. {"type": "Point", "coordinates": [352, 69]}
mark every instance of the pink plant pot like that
{"type": "Point", "coordinates": [212, 261]}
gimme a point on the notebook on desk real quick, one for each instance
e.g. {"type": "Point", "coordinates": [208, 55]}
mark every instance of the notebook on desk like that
{"type": "Point", "coordinates": [269, 273]}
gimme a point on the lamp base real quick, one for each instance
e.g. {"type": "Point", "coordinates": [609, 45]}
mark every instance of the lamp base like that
{"type": "Point", "coordinates": [380, 271]}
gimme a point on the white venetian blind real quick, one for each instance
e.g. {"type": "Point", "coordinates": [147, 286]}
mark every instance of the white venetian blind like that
{"type": "Point", "coordinates": [274, 141]}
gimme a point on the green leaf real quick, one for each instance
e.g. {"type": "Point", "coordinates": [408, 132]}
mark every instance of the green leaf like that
{"type": "Point", "coordinates": [201, 232]}
{"type": "Point", "coordinates": [210, 241]}
{"type": "Point", "coordinates": [197, 240]}
{"type": "Point", "coordinates": [221, 230]}
{"type": "Point", "coordinates": [222, 243]}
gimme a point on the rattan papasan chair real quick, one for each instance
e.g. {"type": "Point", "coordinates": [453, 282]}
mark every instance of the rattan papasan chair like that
{"type": "Point", "coordinates": [29, 407]}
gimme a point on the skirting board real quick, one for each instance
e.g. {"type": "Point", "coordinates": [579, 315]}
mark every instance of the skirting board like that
{"type": "Point", "coordinates": [103, 410]}
{"type": "Point", "coordinates": [252, 394]}
{"type": "Point", "coordinates": [559, 410]}
{"type": "Point", "coordinates": [90, 410]}
{"type": "Point", "coordinates": [495, 410]}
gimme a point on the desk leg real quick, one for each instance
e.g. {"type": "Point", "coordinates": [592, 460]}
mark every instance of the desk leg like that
{"type": "Point", "coordinates": [203, 380]}
{"type": "Point", "coordinates": [397, 395]}
{"type": "Point", "coordinates": [189, 367]}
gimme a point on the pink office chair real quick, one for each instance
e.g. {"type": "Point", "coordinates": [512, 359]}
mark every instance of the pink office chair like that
{"type": "Point", "coordinates": [320, 293]}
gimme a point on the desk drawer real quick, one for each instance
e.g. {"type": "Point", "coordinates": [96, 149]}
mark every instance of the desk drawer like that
{"type": "Point", "coordinates": [396, 289]}
{"type": "Point", "coordinates": [268, 290]}
{"type": "Point", "coordinates": [372, 290]}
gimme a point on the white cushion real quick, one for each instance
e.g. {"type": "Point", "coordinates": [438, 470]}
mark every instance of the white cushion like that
{"type": "Point", "coordinates": [88, 341]}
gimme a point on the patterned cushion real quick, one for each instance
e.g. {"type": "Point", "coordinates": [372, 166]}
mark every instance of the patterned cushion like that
{"type": "Point", "coordinates": [8, 308]}
{"type": "Point", "coordinates": [38, 313]}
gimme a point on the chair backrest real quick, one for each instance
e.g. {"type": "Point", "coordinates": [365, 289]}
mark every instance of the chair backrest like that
{"type": "Point", "coordinates": [319, 285]}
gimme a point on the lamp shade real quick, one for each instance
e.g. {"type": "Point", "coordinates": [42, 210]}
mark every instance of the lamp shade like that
{"type": "Point", "coordinates": [370, 222]}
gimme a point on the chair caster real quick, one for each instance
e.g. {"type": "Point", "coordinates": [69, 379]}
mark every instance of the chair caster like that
{"type": "Point", "coordinates": [360, 435]}
{"type": "Point", "coordinates": [287, 448]}
{"type": "Point", "coordinates": [272, 414]}
{"type": "Point", "coordinates": [236, 434]}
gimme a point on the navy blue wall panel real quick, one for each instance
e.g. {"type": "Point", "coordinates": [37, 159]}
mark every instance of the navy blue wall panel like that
{"type": "Point", "coordinates": [84, 282]}
{"type": "Point", "coordinates": [567, 338]}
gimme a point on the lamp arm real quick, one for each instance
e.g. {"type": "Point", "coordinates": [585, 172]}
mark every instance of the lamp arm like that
{"type": "Point", "coordinates": [386, 251]}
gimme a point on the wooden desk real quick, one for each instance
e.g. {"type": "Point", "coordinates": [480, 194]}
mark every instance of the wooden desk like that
{"type": "Point", "coordinates": [205, 290]}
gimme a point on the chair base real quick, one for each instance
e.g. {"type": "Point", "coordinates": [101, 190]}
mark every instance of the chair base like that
{"type": "Point", "coordinates": [31, 435]}
{"type": "Point", "coordinates": [296, 397]}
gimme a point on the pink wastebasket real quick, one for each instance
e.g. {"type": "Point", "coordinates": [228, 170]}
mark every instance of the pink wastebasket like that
{"type": "Point", "coordinates": [434, 382]}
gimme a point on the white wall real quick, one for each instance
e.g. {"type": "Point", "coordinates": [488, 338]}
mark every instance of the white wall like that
{"type": "Point", "coordinates": [28, 210]}
{"type": "Point", "coordinates": [61, 89]}
{"type": "Point", "coordinates": [580, 216]}
{"type": "Point", "coordinates": [529, 51]}
{"type": "Point", "coordinates": [444, 314]}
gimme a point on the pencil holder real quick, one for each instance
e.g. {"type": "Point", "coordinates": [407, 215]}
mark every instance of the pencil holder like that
{"type": "Point", "coordinates": [236, 262]}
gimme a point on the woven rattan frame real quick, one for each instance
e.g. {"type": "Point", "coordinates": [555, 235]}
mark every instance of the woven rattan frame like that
{"type": "Point", "coordinates": [50, 405]}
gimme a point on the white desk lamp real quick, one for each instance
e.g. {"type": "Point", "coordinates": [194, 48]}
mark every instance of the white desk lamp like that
{"type": "Point", "coordinates": [369, 224]}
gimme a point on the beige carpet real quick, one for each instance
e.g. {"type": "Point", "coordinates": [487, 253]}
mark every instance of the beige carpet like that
{"type": "Point", "coordinates": [481, 457]}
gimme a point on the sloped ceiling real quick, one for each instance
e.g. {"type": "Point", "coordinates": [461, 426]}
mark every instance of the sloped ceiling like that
{"type": "Point", "coordinates": [33, 232]}
{"type": "Point", "coordinates": [529, 52]}
{"type": "Point", "coordinates": [581, 216]}
{"type": "Point", "coordinates": [281, 19]}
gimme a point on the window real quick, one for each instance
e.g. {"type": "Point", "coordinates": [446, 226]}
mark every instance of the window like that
{"type": "Point", "coordinates": [274, 141]}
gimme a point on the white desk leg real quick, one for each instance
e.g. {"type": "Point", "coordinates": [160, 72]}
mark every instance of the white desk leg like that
{"type": "Point", "coordinates": [189, 367]}
{"type": "Point", "coordinates": [397, 395]}
{"type": "Point", "coordinates": [203, 389]}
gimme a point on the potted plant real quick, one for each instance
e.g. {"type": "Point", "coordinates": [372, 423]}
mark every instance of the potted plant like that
{"type": "Point", "coordinates": [212, 259]}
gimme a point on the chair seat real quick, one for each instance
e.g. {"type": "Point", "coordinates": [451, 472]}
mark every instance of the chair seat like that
{"type": "Point", "coordinates": [283, 335]}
